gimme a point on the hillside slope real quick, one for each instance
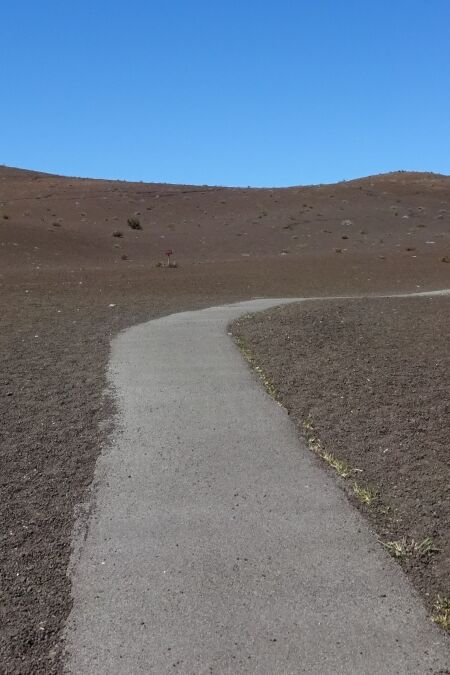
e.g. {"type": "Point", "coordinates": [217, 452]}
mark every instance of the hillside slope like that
{"type": "Point", "coordinates": [48, 221]}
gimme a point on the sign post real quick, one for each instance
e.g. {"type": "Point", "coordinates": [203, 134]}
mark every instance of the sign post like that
{"type": "Point", "coordinates": [169, 252]}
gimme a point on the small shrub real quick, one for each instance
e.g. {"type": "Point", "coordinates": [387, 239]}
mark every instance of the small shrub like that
{"type": "Point", "coordinates": [117, 233]}
{"type": "Point", "coordinates": [134, 223]}
{"type": "Point", "coordinates": [124, 256]}
{"type": "Point", "coordinates": [5, 216]}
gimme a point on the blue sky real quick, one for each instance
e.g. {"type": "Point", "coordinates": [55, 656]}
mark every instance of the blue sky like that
{"type": "Point", "coordinates": [234, 93]}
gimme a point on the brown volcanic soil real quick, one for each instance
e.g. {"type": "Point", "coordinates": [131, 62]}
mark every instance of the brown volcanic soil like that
{"type": "Point", "coordinates": [54, 221]}
{"type": "Point", "coordinates": [61, 268]}
{"type": "Point", "coordinates": [372, 377]}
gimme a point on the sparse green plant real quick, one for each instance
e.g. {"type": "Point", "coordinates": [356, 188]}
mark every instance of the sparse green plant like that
{"type": "Point", "coordinates": [397, 549]}
{"type": "Point", "coordinates": [341, 467]}
{"type": "Point", "coordinates": [315, 445]}
{"type": "Point", "coordinates": [263, 376]}
{"type": "Point", "coordinates": [427, 547]}
{"type": "Point", "coordinates": [364, 494]}
{"type": "Point", "coordinates": [442, 616]}
{"type": "Point", "coordinates": [134, 223]}
{"type": "Point", "coordinates": [308, 424]}
{"type": "Point", "coordinates": [313, 441]}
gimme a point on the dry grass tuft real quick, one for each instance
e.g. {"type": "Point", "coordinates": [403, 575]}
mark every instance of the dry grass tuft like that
{"type": "Point", "coordinates": [341, 467]}
{"type": "Point", "coordinates": [405, 548]}
{"type": "Point", "coordinates": [263, 376]}
{"type": "Point", "coordinates": [365, 494]}
{"type": "Point", "coordinates": [442, 616]}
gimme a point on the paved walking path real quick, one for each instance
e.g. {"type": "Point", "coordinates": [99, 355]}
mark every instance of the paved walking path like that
{"type": "Point", "coordinates": [217, 543]}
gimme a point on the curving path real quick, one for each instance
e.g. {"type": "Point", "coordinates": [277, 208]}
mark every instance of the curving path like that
{"type": "Point", "coordinates": [217, 544]}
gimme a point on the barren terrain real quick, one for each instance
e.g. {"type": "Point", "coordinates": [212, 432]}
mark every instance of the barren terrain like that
{"type": "Point", "coordinates": [368, 382]}
{"type": "Point", "coordinates": [73, 273]}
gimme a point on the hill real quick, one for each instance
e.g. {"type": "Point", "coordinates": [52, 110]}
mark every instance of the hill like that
{"type": "Point", "coordinates": [48, 222]}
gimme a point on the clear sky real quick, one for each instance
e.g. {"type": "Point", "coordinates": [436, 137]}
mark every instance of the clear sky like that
{"type": "Point", "coordinates": [254, 92]}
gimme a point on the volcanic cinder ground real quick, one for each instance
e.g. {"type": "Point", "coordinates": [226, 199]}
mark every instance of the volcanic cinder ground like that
{"type": "Point", "coordinates": [53, 222]}
{"type": "Point", "coordinates": [73, 273]}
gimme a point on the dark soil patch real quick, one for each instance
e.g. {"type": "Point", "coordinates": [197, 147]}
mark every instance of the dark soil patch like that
{"type": "Point", "coordinates": [373, 376]}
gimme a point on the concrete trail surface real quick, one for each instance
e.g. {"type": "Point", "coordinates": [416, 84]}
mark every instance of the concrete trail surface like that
{"type": "Point", "coordinates": [217, 543]}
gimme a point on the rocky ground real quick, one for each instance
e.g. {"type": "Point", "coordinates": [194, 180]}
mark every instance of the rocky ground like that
{"type": "Point", "coordinates": [68, 284]}
{"type": "Point", "coordinates": [367, 383]}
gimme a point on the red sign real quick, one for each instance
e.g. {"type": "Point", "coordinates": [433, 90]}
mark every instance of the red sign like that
{"type": "Point", "coordinates": [169, 252]}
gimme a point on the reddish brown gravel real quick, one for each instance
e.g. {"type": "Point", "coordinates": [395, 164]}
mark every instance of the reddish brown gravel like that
{"type": "Point", "coordinates": [61, 269]}
{"type": "Point", "coordinates": [373, 378]}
